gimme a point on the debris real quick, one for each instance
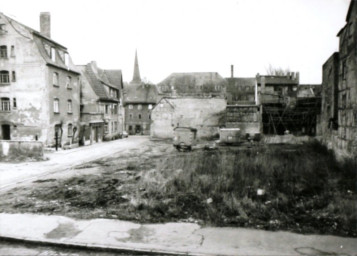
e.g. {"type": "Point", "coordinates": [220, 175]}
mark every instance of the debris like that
{"type": "Point", "coordinates": [209, 200]}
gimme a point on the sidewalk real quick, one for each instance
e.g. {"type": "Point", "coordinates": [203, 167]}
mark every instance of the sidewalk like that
{"type": "Point", "coordinates": [13, 173]}
{"type": "Point", "coordinates": [169, 238]}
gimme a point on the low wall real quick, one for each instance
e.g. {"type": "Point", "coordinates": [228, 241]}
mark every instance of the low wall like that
{"type": "Point", "coordinates": [13, 149]}
{"type": "Point", "coordinates": [286, 139]}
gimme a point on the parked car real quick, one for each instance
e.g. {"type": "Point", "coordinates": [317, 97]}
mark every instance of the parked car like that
{"type": "Point", "coordinates": [124, 134]}
{"type": "Point", "coordinates": [184, 138]}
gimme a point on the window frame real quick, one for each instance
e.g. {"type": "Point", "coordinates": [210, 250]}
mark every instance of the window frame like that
{"type": "Point", "coordinates": [3, 52]}
{"type": "Point", "coordinates": [55, 79]}
{"type": "Point", "coordinates": [5, 104]}
{"type": "Point", "coordinates": [70, 130]}
{"type": "Point", "coordinates": [4, 77]}
{"type": "Point", "coordinates": [69, 106]}
{"type": "Point", "coordinates": [69, 82]}
{"type": "Point", "coordinates": [56, 105]}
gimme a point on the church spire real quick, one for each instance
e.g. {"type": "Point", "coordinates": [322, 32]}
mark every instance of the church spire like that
{"type": "Point", "coordinates": [136, 76]}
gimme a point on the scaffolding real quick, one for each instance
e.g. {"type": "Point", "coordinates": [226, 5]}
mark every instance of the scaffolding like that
{"type": "Point", "coordinates": [298, 116]}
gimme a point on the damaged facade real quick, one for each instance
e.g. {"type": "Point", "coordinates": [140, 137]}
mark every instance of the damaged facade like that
{"type": "Point", "coordinates": [102, 114]}
{"type": "Point", "coordinates": [339, 119]}
{"type": "Point", "coordinates": [204, 114]}
{"type": "Point", "coordinates": [139, 100]}
{"type": "Point", "coordinates": [242, 110]}
{"type": "Point", "coordinates": [284, 106]}
{"type": "Point", "coordinates": [39, 85]}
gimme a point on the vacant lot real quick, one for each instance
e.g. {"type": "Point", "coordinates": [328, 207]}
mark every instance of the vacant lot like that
{"type": "Point", "coordinates": [299, 188]}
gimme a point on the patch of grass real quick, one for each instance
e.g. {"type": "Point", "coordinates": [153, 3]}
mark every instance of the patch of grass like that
{"type": "Point", "coordinates": [304, 190]}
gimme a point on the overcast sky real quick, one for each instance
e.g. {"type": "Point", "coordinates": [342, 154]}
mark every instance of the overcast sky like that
{"type": "Point", "coordinates": [192, 35]}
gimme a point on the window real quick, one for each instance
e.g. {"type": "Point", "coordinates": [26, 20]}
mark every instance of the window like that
{"type": "Point", "coordinates": [130, 106]}
{"type": "Point", "coordinates": [139, 116]}
{"type": "Point", "coordinates": [344, 70]}
{"type": "Point", "coordinates": [106, 109]}
{"type": "Point", "coordinates": [115, 109]}
{"type": "Point", "coordinates": [69, 106]}
{"type": "Point", "coordinates": [56, 105]}
{"type": "Point", "coordinates": [4, 77]}
{"type": "Point", "coordinates": [13, 78]}
{"type": "Point", "coordinates": [53, 54]}
{"type": "Point", "coordinates": [14, 103]}
{"type": "Point", "coordinates": [70, 130]}
{"type": "Point", "coordinates": [130, 116]}
{"type": "Point", "coordinates": [12, 51]}
{"type": "Point", "coordinates": [150, 106]}
{"type": "Point", "coordinates": [69, 82]}
{"type": "Point", "coordinates": [3, 51]}
{"type": "Point", "coordinates": [55, 79]}
{"type": "Point", "coordinates": [61, 54]}
{"type": "Point", "coordinates": [106, 128]}
{"type": "Point", "coordinates": [149, 117]}
{"type": "Point", "coordinates": [343, 101]}
{"type": "Point", "coordinates": [140, 107]}
{"type": "Point", "coordinates": [5, 104]}
{"type": "Point", "coordinates": [66, 59]}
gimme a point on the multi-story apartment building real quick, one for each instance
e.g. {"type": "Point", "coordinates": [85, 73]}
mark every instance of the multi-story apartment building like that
{"type": "Point", "coordinates": [39, 85]}
{"type": "Point", "coordinates": [102, 114]}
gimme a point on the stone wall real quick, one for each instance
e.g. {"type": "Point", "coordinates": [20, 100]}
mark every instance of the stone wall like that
{"type": "Point", "coordinates": [16, 149]}
{"type": "Point", "coordinates": [206, 115]}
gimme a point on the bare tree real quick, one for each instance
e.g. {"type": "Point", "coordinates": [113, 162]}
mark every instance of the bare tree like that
{"type": "Point", "coordinates": [274, 71]}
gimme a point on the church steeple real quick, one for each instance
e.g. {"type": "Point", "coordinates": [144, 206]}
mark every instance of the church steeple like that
{"type": "Point", "coordinates": [136, 76]}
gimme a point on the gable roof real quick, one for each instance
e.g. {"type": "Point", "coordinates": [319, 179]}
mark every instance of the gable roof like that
{"type": "Point", "coordinates": [115, 77]}
{"type": "Point", "coordinates": [140, 93]}
{"type": "Point", "coordinates": [99, 78]}
{"type": "Point", "coordinates": [192, 78]}
{"type": "Point", "coordinates": [41, 42]}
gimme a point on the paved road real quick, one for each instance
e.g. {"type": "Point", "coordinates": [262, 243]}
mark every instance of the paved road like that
{"type": "Point", "coordinates": [13, 174]}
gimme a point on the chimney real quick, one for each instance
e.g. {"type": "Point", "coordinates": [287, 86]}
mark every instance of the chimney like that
{"type": "Point", "coordinates": [232, 71]}
{"type": "Point", "coordinates": [45, 24]}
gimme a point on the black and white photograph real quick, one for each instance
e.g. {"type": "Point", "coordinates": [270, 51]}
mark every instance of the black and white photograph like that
{"type": "Point", "coordinates": [178, 127]}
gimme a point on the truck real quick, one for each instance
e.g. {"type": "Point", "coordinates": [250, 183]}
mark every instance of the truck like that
{"type": "Point", "coordinates": [185, 138]}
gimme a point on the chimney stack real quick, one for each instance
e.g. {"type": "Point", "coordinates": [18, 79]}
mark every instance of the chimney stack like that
{"type": "Point", "coordinates": [45, 24]}
{"type": "Point", "coordinates": [232, 71]}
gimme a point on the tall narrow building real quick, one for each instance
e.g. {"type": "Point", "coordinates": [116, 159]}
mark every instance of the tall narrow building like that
{"type": "Point", "coordinates": [139, 99]}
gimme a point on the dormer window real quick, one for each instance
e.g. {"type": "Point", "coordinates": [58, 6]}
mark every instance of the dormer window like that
{"type": "Point", "coordinates": [66, 59]}
{"type": "Point", "coordinates": [3, 51]}
{"type": "Point", "coordinates": [53, 54]}
{"type": "Point", "coordinates": [48, 49]}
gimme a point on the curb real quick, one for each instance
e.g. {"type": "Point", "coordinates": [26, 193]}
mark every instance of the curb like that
{"type": "Point", "coordinates": [97, 247]}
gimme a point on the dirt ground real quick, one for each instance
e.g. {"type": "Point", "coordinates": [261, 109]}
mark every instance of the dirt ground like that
{"type": "Point", "coordinates": [156, 183]}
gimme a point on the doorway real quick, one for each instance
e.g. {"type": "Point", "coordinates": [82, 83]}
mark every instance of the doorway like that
{"type": "Point", "coordinates": [5, 131]}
